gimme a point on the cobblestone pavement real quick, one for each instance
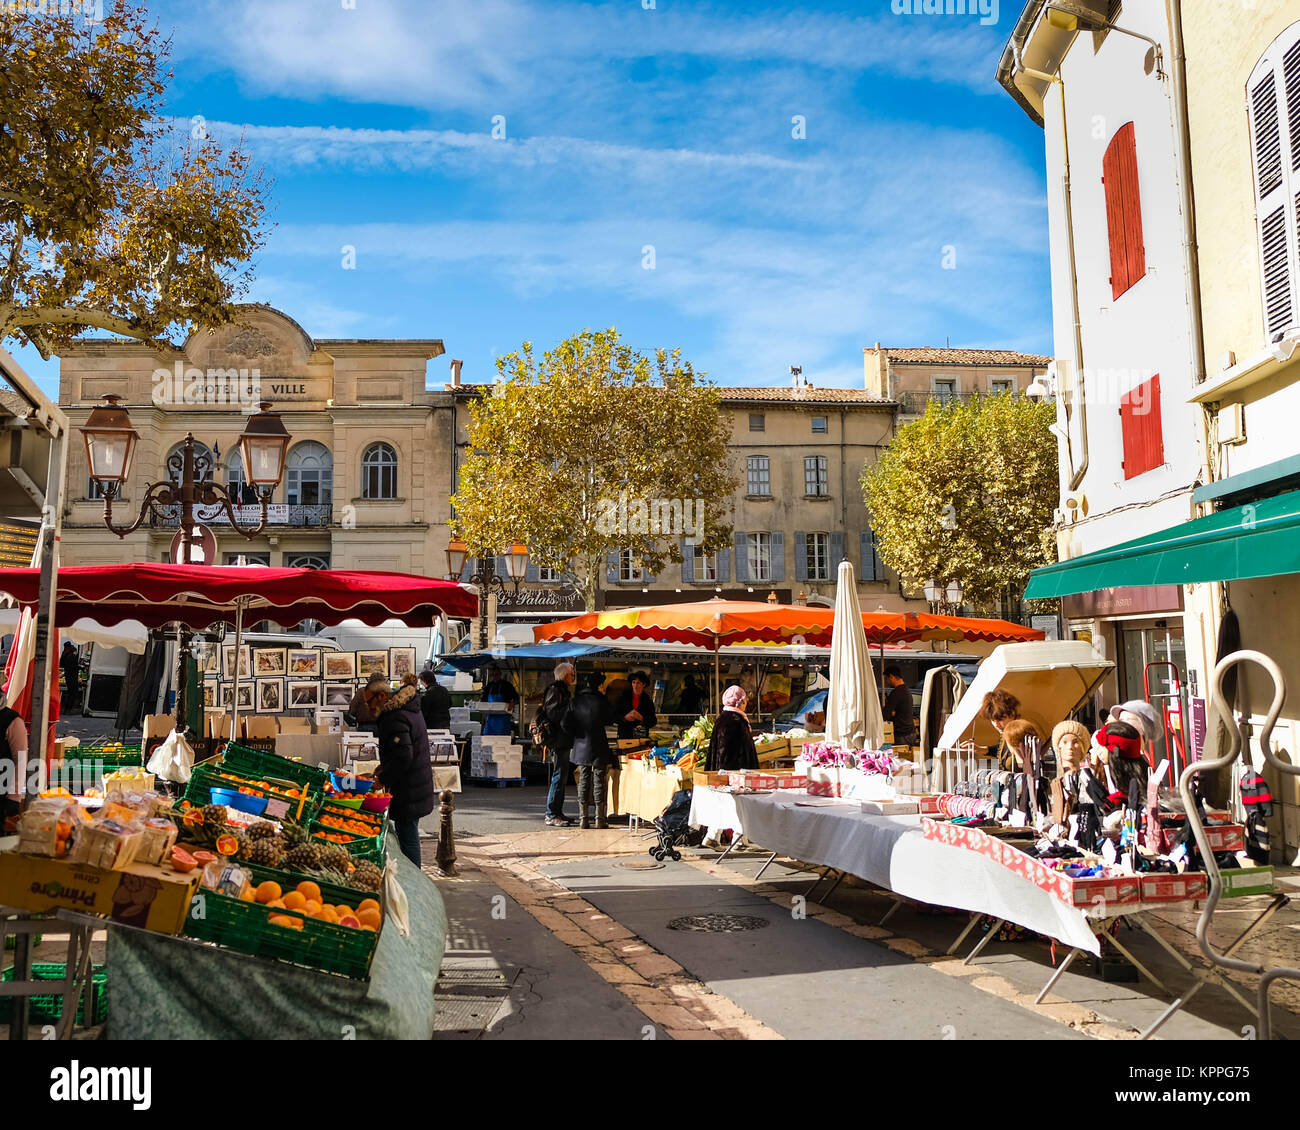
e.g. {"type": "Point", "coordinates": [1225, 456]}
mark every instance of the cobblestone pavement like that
{"type": "Point", "coordinates": [501, 838]}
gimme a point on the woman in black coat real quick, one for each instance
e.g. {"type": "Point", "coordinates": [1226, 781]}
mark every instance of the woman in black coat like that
{"type": "Point", "coordinates": [435, 703]}
{"type": "Point", "coordinates": [587, 717]}
{"type": "Point", "coordinates": [731, 745]}
{"type": "Point", "coordinates": [404, 765]}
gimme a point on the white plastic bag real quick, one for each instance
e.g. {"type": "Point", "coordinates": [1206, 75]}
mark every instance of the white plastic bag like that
{"type": "Point", "coordinates": [173, 760]}
{"type": "Point", "coordinates": [399, 910]}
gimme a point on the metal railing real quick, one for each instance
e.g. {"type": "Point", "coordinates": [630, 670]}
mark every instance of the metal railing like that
{"type": "Point", "coordinates": [298, 515]}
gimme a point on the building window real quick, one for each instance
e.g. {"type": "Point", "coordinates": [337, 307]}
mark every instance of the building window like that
{"type": "Point", "coordinates": [757, 422]}
{"type": "Point", "coordinates": [309, 473]}
{"type": "Point", "coordinates": [379, 472]}
{"type": "Point", "coordinates": [819, 425]}
{"type": "Point", "coordinates": [203, 462]}
{"type": "Point", "coordinates": [1274, 108]}
{"type": "Point", "coordinates": [758, 548]}
{"type": "Point", "coordinates": [758, 475]}
{"type": "Point", "coordinates": [705, 565]}
{"type": "Point", "coordinates": [945, 389]}
{"type": "Point", "coordinates": [548, 576]}
{"type": "Point", "coordinates": [814, 476]}
{"type": "Point", "coordinates": [307, 560]}
{"type": "Point", "coordinates": [1128, 257]}
{"type": "Point", "coordinates": [819, 556]}
{"type": "Point", "coordinates": [1002, 387]}
{"type": "Point", "coordinates": [629, 568]}
{"type": "Point", "coordinates": [247, 558]}
{"type": "Point", "coordinates": [241, 492]}
{"type": "Point", "coordinates": [1139, 414]}
{"type": "Point", "coordinates": [95, 490]}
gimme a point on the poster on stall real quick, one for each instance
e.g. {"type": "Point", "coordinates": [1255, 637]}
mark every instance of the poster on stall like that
{"type": "Point", "coordinates": [1197, 734]}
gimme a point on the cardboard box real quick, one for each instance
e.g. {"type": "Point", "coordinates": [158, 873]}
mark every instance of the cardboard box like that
{"type": "Point", "coordinates": [901, 807]}
{"type": "Point", "coordinates": [1159, 887]}
{"type": "Point", "coordinates": [1102, 892]}
{"type": "Point", "coordinates": [1222, 837]}
{"type": "Point", "coordinates": [155, 898]}
{"type": "Point", "coordinates": [710, 779]}
{"type": "Point", "coordinates": [1243, 881]}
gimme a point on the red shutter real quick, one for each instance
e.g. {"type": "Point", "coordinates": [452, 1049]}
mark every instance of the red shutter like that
{"type": "Point", "coordinates": [1128, 263]}
{"type": "Point", "coordinates": [1144, 443]}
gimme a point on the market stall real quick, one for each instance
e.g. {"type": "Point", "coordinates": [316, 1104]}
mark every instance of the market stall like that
{"type": "Point", "coordinates": [272, 863]}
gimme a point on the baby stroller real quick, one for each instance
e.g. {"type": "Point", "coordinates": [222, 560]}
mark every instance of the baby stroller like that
{"type": "Point", "coordinates": [673, 826]}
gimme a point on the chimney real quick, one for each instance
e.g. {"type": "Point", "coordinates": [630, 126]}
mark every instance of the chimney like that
{"type": "Point", "coordinates": [455, 373]}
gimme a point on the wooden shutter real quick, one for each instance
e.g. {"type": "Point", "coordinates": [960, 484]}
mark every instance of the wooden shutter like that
{"type": "Point", "coordinates": [741, 543]}
{"type": "Point", "coordinates": [837, 552]}
{"type": "Point", "coordinates": [1273, 96]}
{"type": "Point", "coordinates": [1139, 413]}
{"type": "Point", "coordinates": [777, 551]}
{"type": "Point", "coordinates": [1128, 260]}
{"type": "Point", "coordinates": [800, 555]}
{"type": "Point", "coordinates": [688, 562]}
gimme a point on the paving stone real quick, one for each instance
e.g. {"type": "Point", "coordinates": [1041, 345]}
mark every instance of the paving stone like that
{"type": "Point", "coordinates": [654, 965]}
{"type": "Point", "coordinates": [692, 1034]}
{"type": "Point", "coordinates": [619, 974]}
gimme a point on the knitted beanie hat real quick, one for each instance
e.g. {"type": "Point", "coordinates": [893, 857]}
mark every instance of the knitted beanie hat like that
{"type": "Point", "coordinates": [1078, 729]}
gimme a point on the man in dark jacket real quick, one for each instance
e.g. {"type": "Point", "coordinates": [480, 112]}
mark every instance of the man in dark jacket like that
{"type": "Point", "coordinates": [587, 717]}
{"type": "Point", "coordinates": [635, 712]}
{"type": "Point", "coordinates": [404, 764]}
{"type": "Point", "coordinates": [435, 703]}
{"type": "Point", "coordinates": [555, 705]}
{"type": "Point", "coordinates": [898, 706]}
{"type": "Point", "coordinates": [70, 661]}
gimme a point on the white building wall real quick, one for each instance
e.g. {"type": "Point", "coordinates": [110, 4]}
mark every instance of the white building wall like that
{"type": "Point", "coordinates": [1146, 330]}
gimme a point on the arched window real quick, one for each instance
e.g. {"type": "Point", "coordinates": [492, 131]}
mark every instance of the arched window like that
{"type": "Point", "coordinates": [203, 462]}
{"type": "Point", "coordinates": [309, 474]}
{"type": "Point", "coordinates": [379, 472]}
{"type": "Point", "coordinates": [307, 560]}
{"type": "Point", "coordinates": [241, 493]}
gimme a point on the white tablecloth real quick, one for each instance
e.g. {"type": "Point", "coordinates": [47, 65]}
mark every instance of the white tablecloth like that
{"type": "Point", "coordinates": [891, 852]}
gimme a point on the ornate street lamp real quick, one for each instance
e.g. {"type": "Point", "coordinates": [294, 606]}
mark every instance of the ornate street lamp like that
{"type": "Point", "coordinates": [486, 577]}
{"type": "Point", "coordinates": [110, 451]}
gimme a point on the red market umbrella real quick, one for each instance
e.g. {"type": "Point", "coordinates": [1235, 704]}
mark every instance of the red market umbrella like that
{"type": "Point", "coordinates": [199, 595]}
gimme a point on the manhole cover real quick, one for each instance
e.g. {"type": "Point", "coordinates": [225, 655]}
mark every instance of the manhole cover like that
{"type": "Point", "coordinates": [640, 865]}
{"type": "Point", "coordinates": [718, 923]}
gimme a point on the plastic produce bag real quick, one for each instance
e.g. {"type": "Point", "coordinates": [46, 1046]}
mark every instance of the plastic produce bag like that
{"type": "Point", "coordinates": [173, 760]}
{"type": "Point", "coordinates": [399, 910]}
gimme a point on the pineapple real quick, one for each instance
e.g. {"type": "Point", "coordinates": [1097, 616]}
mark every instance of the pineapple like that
{"type": "Point", "coordinates": [334, 857]}
{"type": "Point", "coordinates": [367, 876]}
{"type": "Point", "coordinates": [263, 831]}
{"type": "Point", "coordinates": [294, 834]}
{"type": "Point", "coordinates": [264, 852]}
{"type": "Point", "coordinates": [303, 858]}
{"type": "Point", "coordinates": [214, 815]}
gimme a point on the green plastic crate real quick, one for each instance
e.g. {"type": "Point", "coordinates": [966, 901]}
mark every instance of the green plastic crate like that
{"type": "Point", "coordinates": [50, 1007]}
{"type": "Point", "coordinates": [333, 893]}
{"type": "Point", "coordinates": [206, 777]}
{"type": "Point", "coordinates": [246, 927]}
{"type": "Point", "coordinates": [258, 763]}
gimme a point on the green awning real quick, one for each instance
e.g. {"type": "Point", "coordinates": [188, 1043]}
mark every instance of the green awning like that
{"type": "Point", "coordinates": [1259, 539]}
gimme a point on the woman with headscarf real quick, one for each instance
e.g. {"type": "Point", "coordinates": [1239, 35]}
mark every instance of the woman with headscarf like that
{"type": "Point", "coordinates": [731, 745]}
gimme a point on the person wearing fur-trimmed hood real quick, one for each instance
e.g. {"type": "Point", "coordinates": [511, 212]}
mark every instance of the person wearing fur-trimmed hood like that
{"type": "Point", "coordinates": [404, 764]}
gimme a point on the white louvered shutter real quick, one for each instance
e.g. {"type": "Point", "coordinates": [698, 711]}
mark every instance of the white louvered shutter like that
{"type": "Point", "coordinates": [1274, 105]}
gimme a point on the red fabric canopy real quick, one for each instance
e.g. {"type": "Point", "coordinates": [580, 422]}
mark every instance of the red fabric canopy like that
{"type": "Point", "coordinates": [199, 595]}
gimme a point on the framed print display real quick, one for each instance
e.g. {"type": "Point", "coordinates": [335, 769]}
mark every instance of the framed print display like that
{"type": "Point", "coordinates": [246, 694]}
{"type": "Point", "coordinates": [401, 661]}
{"type": "Point", "coordinates": [228, 661]}
{"type": "Point", "coordinates": [304, 663]}
{"type": "Point", "coordinates": [269, 661]}
{"type": "Point", "coordinates": [270, 696]}
{"type": "Point", "coordinates": [226, 695]}
{"type": "Point", "coordinates": [372, 663]}
{"type": "Point", "coordinates": [340, 664]}
{"type": "Point", "coordinates": [338, 694]}
{"type": "Point", "coordinates": [302, 692]}
{"type": "Point", "coordinates": [208, 656]}
{"type": "Point", "coordinates": [209, 692]}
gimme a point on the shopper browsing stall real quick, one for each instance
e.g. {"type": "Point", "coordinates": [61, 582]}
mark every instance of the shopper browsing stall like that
{"type": "Point", "coordinates": [404, 764]}
{"type": "Point", "coordinates": [731, 745]}
{"type": "Point", "coordinates": [435, 702]}
{"type": "Point", "coordinates": [497, 688]}
{"type": "Point", "coordinates": [558, 742]}
{"type": "Point", "coordinates": [585, 721]}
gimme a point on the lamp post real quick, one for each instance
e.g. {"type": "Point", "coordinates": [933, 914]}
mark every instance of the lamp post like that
{"type": "Point", "coordinates": [940, 598]}
{"type": "Point", "coordinates": [110, 451]}
{"type": "Point", "coordinates": [486, 578]}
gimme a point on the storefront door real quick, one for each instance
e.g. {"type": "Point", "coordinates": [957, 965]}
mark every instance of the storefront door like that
{"type": "Point", "coordinates": [1140, 646]}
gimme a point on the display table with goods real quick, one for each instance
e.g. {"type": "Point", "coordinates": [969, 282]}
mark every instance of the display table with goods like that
{"type": "Point", "coordinates": [263, 859]}
{"type": "Point", "coordinates": [854, 815]}
{"type": "Point", "coordinates": [651, 770]}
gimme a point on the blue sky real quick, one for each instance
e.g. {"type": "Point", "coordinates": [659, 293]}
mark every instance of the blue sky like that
{"type": "Point", "coordinates": [626, 128]}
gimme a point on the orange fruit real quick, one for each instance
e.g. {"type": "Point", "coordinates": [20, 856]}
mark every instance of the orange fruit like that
{"type": "Point", "coordinates": [295, 900]}
{"type": "Point", "coordinates": [327, 914]}
{"type": "Point", "coordinates": [267, 892]}
{"type": "Point", "coordinates": [341, 910]}
{"type": "Point", "coordinates": [309, 890]}
{"type": "Point", "coordinates": [286, 920]}
{"type": "Point", "coordinates": [369, 917]}
{"type": "Point", "coordinates": [276, 904]}
{"type": "Point", "coordinates": [372, 929]}
{"type": "Point", "coordinates": [313, 908]}
{"type": "Point", "coordinates": [369, 904]}
{"type": "Point", "coordinates": [349, 920]}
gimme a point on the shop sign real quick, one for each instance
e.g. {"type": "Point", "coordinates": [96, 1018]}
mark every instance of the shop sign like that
{"type": "Point", "coordinates": [1197, 728]}
{"type": "Point", "coordinates": [1123, 601]}
{"type": "Point", "coordinates": [18, 541]}
{"type": "Point", "coordinates": [560, 598]}
{"type": "Point", "coordinates": [277, 514]}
